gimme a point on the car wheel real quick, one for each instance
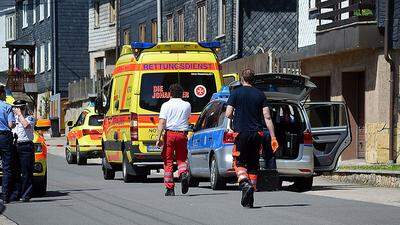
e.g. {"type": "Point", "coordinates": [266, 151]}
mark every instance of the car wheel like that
{"type": "Point", "coordinates": [125, 174]}
{"type": "Point", "coordinates": [193, 182]}
{"type": "Point", "coordinates": [216, 181]}
{"type": "Point", "coordinates": [302, 184]}
{"type": "Point", "coordinates": [40, 185]}
{"type": "Point", "coordinates": [80, 158]}
{"type": "Point", "coordinates": [108, 174]}
{"type": "Point", "coordinates": [69, 156]}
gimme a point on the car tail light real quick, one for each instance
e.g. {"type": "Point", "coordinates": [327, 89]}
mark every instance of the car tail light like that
{"type": "Point", "coordinates": [229, 137]}
{"type": "Point", "coordinates": [134, 127]}
{"type": "Point", "coordinates": [91, 132]}
{"type": "Point", "coordinates": [307, 137]}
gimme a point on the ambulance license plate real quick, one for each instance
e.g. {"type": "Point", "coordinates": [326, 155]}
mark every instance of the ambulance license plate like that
{"type": "Point", "coordinates": [153, 148]}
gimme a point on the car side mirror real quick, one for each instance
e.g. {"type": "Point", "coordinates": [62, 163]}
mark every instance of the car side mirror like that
{"type": "Point", "coordinates": [70, 124]}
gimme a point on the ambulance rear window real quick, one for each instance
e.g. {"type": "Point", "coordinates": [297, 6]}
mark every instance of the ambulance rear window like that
{"type": "Point", "coordinates": [198, 89]}
{"type": "Point", "coordinates": [96, 120]}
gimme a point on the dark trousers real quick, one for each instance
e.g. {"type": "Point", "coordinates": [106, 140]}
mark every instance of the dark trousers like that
{"type": "Point", "coordinates": [246, 154]}
{"type": "Point", "coordinates": [7, 159]}
{"type": "Point", "coordinates": [26, 159]}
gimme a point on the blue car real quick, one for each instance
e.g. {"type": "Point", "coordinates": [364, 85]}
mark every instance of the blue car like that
{"type": "Point", "coordinates": [312, 135]}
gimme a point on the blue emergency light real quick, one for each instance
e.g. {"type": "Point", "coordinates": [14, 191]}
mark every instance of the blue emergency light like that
{"type": "Point", "coordinates": [212, 44]}
{"type": "Point", "coordinates": [142, 45]}
{"type": "Point", "coordinates": [223, 93]}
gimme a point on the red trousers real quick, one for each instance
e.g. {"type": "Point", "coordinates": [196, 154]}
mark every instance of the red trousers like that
{"type": "Point", "coordinates": [175, 147]}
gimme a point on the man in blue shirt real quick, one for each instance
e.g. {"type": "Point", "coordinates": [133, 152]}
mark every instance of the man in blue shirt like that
{"type": "Point", "coordinates": [7, 122]}
{"type": "Point", "coordinates": [247, 107]}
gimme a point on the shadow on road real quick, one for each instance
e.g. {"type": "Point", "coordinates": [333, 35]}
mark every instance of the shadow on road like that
{"type": "Point", "coordinates": [281, 206]}
{"type": "Point", "coordinates": [194, 195]}
{"type": "Point", "coordinates": [2, 208]}
{"type": "Point", "coordinates": [35, 200]}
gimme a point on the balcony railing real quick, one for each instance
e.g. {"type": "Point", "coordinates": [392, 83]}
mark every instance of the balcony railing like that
{"type": "Point", "coordinates": [333, 14]}
{"type": "Point", "coordinates": [17, 79]}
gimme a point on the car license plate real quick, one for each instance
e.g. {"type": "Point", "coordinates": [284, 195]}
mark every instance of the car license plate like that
{"type": "Point", "coordinates": [153, 148]}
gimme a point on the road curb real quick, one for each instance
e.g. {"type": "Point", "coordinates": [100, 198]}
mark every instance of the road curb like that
{"type": "Point", "coordinates": [389, 179]}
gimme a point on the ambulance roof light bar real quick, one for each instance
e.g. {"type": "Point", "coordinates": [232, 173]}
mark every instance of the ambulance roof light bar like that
{"type": "Point", "coordinates": [142, 45]}
{"type": "Point", "coordinates": [211, 45]}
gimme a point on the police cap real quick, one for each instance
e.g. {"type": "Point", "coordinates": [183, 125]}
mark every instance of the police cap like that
{"type": "Point", "coordinates": [20, 103]}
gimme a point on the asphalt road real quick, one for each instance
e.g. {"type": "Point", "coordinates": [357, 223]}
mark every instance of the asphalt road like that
{"type": "Point", "coordinates": [79, 195]}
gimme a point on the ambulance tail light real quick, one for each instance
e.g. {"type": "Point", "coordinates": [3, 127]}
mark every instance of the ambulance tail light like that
{"type": "Point", "coordinates": [229, 137]}
{"type": "Point", "coordinates": [307, 137]}
{"type": "Point", "coordinates": [134, 127]}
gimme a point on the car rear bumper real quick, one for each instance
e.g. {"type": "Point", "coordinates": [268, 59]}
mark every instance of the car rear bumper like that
{"type": "Point", "coordinates": [302, 166]}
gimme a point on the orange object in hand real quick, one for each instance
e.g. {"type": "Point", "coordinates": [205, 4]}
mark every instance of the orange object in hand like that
{"type": "Point", "coordinates": [274, 144]}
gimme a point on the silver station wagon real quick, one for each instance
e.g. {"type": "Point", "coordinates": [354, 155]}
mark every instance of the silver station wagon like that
{"type": "Point", "coordinates": [312, 135]}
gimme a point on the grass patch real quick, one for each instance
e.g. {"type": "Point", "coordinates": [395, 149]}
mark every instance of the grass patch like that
{"type": "Point", "coordinates": [372, 167]}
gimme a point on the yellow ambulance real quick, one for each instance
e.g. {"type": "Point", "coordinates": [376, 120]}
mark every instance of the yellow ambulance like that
{"type": "Point", "coordinates": [139, 87]}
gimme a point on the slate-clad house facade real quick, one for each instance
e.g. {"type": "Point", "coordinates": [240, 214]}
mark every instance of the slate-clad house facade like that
{"type": "Point", "coordinates": [56, 35]}
{"type": "Point", "coordinates": [263, 25]}
{"type": "Point", "coordinates": [137, 21]}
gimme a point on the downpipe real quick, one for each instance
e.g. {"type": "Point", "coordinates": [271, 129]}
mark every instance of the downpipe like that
{"type": "Point", "coordinates": [392, 83]}
{"type": "Point", "coordinates": [159, 21]}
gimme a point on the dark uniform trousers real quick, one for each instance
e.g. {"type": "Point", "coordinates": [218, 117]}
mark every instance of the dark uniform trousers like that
{"type": "Point", "coordinates": [7, 155]}
{"type": "Point", "coordinates": [26, 159]}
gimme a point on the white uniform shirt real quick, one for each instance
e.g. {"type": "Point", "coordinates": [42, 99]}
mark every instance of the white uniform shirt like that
{"type": "Point", "coordinates": [176, 112]}
{"type": "Point", "coordinates": [24, 134]}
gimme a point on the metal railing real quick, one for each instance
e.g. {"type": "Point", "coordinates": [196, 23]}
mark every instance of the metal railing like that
{"type": "Point", "coordinates": [83, 89]}
{"type": "Point", "coordinates": [334, 14]}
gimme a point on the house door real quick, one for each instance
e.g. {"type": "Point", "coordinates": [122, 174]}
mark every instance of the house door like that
{"type": "Point", "coordinates": [353, 91]}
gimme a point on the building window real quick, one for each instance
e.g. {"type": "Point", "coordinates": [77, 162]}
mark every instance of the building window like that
{"type": "Point", "coordinates": [10, 28]}
{"type": "Point", "coordinates": [99, 67]}
{"type": "Point", "coordinates": [112, 13]}
{"type": "Point", "coordinates": [96, 14]}
{"type": "Point", "coordinates": [181, 26]}
{"type": "Point", "coordinates": [170, 27]}
{"type": "Point", "coordinates": [36, 60]}
{"type": "Point", "coordinates": [25, 60]}
{"type": "Point", "coordinates": [48, 8]}
{"type": "Point", "coordinates": [142, 32]}
{"type": "Point", "coordinates": [154, 31]}
{"type": "Point", "coordinates": [41, 11]}
{"type": "Point", "coordinates": [49, 56]}
{"type": "Point", "coordinates": [34, 11]}
{"type": "Point", "coordinates": [42, 58]}
{"type": "Point", "coordinates": [222, 18]}
{"type": "Point", "coordinates": [24, 14]}
{"type": "Point", "coordinates": [126, 37]}
{"type": "Point", "coordinates": [201, 21]}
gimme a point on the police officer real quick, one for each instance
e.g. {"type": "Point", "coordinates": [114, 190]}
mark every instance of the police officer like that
{"type": "Point", "coordinates": [23, 132]}
{"type": "Point", "coordinates": [248, 107]}
{"type": "Point", "coordinates": [7, 122]}
{"type": "Point", "coordinates": [174, 120]}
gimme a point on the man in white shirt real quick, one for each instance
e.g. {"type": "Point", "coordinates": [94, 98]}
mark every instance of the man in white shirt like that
{"type": "Point", "coordinates": [174, 120]}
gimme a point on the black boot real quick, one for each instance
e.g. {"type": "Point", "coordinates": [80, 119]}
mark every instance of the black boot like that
{"type": "Point", "coordinates": [185, 183]}
{"type": "Point", "coordinates": [170, 192]}
{"type": "Point", "coordinates": [247, 194]}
